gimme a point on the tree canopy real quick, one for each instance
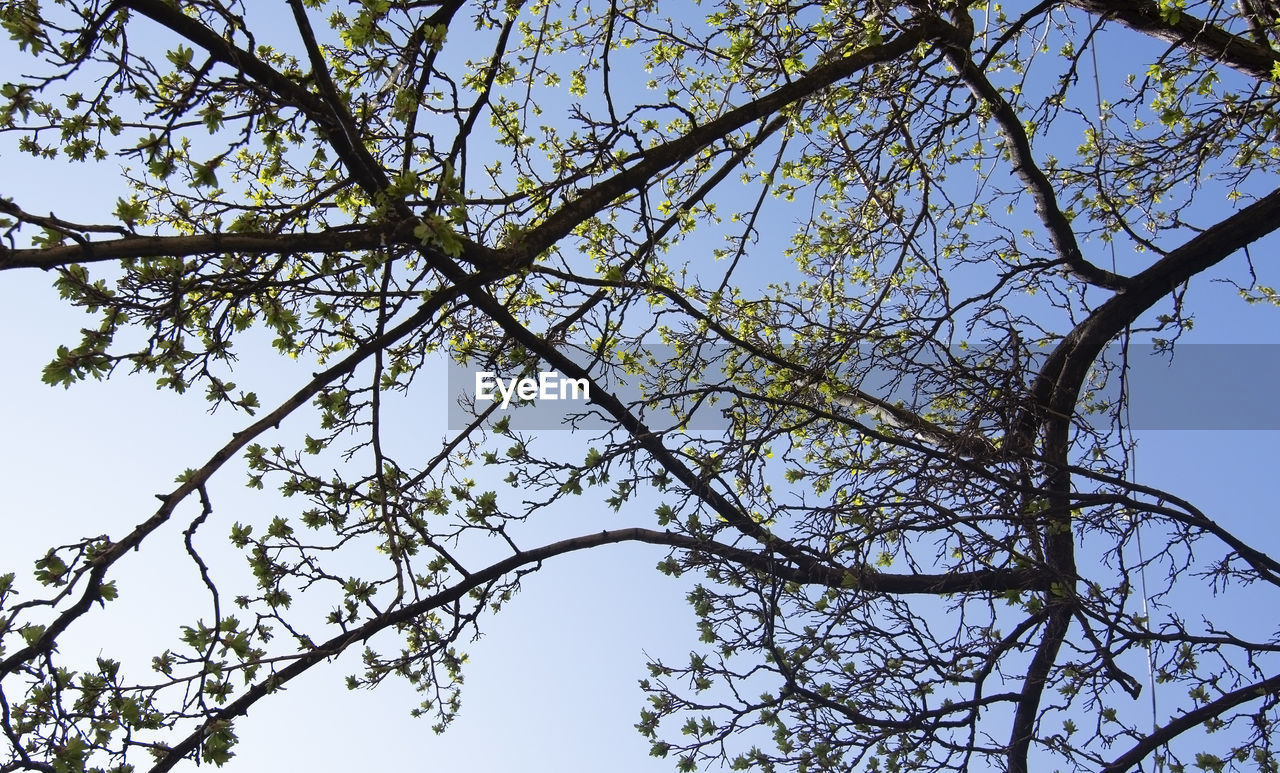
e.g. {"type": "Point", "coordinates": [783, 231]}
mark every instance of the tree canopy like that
{"type": "Point", "coordinates": [851, 284]}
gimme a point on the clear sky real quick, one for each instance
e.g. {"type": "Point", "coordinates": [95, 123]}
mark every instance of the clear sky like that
{"type": "Point", "coordinates": [552, 686]}
{"type": "Point", "coordinates": [556, 673]}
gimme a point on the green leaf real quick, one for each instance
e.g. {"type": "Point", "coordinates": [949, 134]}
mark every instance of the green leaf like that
{"type": "Point", "coordinates": [181, 56]}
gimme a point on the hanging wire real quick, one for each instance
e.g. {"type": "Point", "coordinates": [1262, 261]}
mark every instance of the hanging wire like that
{"type": "Point", "coordinates": [1127, 440]}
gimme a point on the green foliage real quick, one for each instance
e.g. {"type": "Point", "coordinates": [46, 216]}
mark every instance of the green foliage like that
{"type": "Point", "coordinates": [844, 274]}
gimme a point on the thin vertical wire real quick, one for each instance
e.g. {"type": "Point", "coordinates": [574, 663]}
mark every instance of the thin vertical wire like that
{"type": "Point", "coordinates": [1126, 432]}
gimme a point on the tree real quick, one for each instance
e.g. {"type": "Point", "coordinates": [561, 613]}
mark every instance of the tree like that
{"type": "Point", "coordinates": [888, 251]}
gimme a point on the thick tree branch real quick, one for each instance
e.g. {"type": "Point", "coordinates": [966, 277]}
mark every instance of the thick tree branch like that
{"type": "Point", "coordinates": [1025, 167]}
{"type": "Point", "coordinates": [572, 213]}
{"type": "Point", "coordinates": [343, 132]}
{"type": "Point", "coordinates": [1057, 386]}
{"type": "Point", "coordinates": [1027, 712]}
{"type": "Point", "coordinates": [336, 240]}
{"type": "Point", "coordinates": [1190, 720]}
{"type": "Point", "coordinates": [993, 580]}
{"type": "Point", "coordinates": [203, 244]}
{"type": "Point", "coordinates": [1057, 389]}
{"type": "Point", "coordinates": [1190, 32]}
{"type": "Point", "coordinates": [922, 485]}
{"type": "Point", "coordinates": [359, 161]}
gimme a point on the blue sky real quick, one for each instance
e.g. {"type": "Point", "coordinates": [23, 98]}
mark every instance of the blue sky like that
{"type": "Point", "coordinates": [555, 674]}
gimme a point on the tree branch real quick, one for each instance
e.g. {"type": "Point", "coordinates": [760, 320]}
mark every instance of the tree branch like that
{"type": "Point", "coordinates": [1190, 720]}
{"type": "Point", "coordinates": [357, 158]}
{"type": "Point", "coordinates": [1190, 32]}
{"type": "Point", "coordinates": [935, 584]}
{"type": "Point", "coordinates": [571, 214]}
{"type": "Point", "coordinates": [47, 640]}
{"type": "Point", "coordinates": [343, 131]}
{"type": "Point", "coordinates": [1025, 167]}
{"type": "Point", "coordinates": [204, 244]}
{"type": "Point", "coordinates": [1057, 385]}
